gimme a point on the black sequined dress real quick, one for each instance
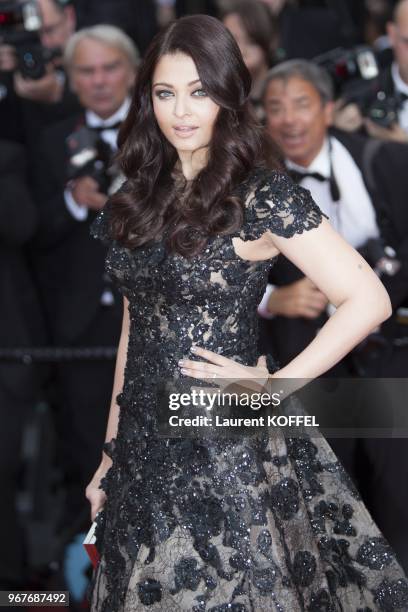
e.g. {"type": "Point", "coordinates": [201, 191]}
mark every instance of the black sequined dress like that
{"type": "Point", "coordinates": [248, 524]}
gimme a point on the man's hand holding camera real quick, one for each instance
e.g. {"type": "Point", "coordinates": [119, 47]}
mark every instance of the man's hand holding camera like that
{"type": "Point", "coordinates": [85, 191]}
{"type": "Point", "coordinates": [8, 60]}
{"type": "Point", "coordinates": [33, 36]}
{"type": "Point", "coordinates": [48, 89]}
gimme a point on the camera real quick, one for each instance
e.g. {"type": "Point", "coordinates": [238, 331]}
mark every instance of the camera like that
{"type": "Point", "coordinates": [20, 24]}
{"type": "Point", "coordinates": [355, 76]}
{"type": "Point", "coordinates": [374, 103]}
{"type": "Point", "coordinates": [89, 155]}
{"type": "Point", "coordinates": [382, 258]}
{"type": "Point", "coordinates": [348, 65]}
{"type": "Point", "coordinates": [384, 109]}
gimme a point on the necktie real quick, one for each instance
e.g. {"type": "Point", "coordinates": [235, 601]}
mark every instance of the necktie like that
{"type": "Point", "coordinates": [334, 188]}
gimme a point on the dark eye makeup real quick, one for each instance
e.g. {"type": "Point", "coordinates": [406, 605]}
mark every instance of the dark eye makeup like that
{"type": "Point", "coordinates": [162, 94]}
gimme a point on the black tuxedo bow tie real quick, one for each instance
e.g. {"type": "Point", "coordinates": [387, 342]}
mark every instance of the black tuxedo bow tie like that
{"type": "Point", "coordinates": [102, 128]}
{"type": "Point", "coordinates": [334, 188]}
{"type": "Point", "coordinates": [299, 176]}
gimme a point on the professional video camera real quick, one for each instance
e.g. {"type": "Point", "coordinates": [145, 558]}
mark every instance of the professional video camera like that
{"type": "Point", "coordinates": [89, 155]}
{"type": "Point", "coordinates": [20, 23]}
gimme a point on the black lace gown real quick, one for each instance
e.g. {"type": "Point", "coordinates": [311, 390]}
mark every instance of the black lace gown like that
{"type": "Point", "coordinates": [240, 525]}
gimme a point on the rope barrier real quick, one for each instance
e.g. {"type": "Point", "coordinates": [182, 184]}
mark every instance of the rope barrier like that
{"type": "Point", "coordinates": [53, 354]}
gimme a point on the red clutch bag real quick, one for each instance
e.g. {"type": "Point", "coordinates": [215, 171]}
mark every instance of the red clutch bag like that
{"type": "Point", "coordinates": [90, 545]}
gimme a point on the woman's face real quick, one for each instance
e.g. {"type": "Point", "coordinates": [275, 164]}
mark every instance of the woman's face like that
{"type": "Point", "coordinates": [184, 112]}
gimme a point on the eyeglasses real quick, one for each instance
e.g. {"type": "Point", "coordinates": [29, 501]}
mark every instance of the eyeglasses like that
{"type": "Point", "coordinates": [52, 28]}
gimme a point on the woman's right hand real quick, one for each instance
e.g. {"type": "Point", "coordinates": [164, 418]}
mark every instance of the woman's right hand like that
{"type": "Point", "coordinates": [93, 493]}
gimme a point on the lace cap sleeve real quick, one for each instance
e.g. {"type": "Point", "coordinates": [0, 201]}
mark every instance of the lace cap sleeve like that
{"type": "Point", "coordinates": [284, 207]}
{"type": "Point", "coordinates": [100, 226]}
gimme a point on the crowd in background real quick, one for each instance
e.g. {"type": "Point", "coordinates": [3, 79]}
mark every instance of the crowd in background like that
{"type": "Point", "coordinates": [330, 85]}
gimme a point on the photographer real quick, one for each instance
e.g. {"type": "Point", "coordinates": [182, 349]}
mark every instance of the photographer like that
{"type": "Point", "coordinates": [33, 36]}
{"type": "Point", "coordinates": [393, 81]}
{"type": "Point", "coordinates": [361, 184]}
{"type": "Point", "coordinates": [380, 106]}
{"type": "Point", "coordinates": [74, 176]}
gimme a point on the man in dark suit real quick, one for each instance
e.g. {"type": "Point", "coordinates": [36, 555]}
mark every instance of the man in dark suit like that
{"type": "Point", "coordinates": [358, 183]}
{"type": "Point", "coordinates": [361, 185]}
{"type": "Point", "coordinates": [393, 81]}
{"type": "Point", "coordinates": [83, 309]}
{"type": "Point", "coordinates": [391, 86]}
{"type": "Point", "coordinates": [21, 326]}
{"type": "Point", "coordinates": [27, 105]}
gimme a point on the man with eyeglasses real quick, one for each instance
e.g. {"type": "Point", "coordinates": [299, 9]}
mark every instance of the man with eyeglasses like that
{"type": "Point", "coordinates": [58, 24]}
{"type": "Point", "coordinates": [28, 104]}
{"type": "Point", "coordinates": [391, 86]}
{"type": "Point", "coordinates": [397, 81]}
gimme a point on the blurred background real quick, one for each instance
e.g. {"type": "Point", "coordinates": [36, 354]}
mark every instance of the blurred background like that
{"type": "Point", "coordinates": [330, 87]}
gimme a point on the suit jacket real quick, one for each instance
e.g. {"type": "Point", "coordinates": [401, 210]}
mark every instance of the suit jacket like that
{"type": "Point", "coordinates": [39, 116]}
{"type": "Point", "coordinates": [22, 120]}
{"type": "Point", "coordinates": [11, 114]}
{"type": "Point", "coordinates": [386, 179]}
{"type": "Point", "coordinates": [69, 263]}
{"type": "Point", "coordinates": [21, 320]}
{"type": "Point", "coordinates": [385, 82]}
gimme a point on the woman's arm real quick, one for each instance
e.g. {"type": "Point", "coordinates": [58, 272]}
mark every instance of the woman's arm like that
{"type": "Point", "coordinates": [94, 494]}
{"type": "Point", "coordinates": [113, 419]}
{"type": "Point", "coordinates": [349, 283]}
{"type": "Point", "coordinates": [342, 275]}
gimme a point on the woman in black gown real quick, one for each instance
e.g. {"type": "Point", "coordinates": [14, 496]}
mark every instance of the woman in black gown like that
{"type": "Point", "coordinates": [209, 524]}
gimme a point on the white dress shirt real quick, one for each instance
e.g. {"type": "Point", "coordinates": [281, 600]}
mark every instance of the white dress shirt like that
{"type": "Point", "coordinates": [402, 87]}
{"type": "Point", "coordinates": [353, 216]}
{"type": "Point", "coordinates": [80, 213]}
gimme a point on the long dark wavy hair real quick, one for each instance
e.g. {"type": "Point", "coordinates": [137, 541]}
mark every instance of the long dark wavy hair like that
{"type": "Point", "coordinates": [153, 203]}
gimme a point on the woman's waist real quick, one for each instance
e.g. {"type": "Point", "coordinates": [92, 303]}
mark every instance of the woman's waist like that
{"type": "Point", "coordinates": [166, 353]}
{"type": "Point", "coordinates": [229, 334]}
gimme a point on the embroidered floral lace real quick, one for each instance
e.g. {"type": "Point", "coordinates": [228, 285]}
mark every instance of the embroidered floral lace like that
{"type": "Point", "coordinates": [243, 524]}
